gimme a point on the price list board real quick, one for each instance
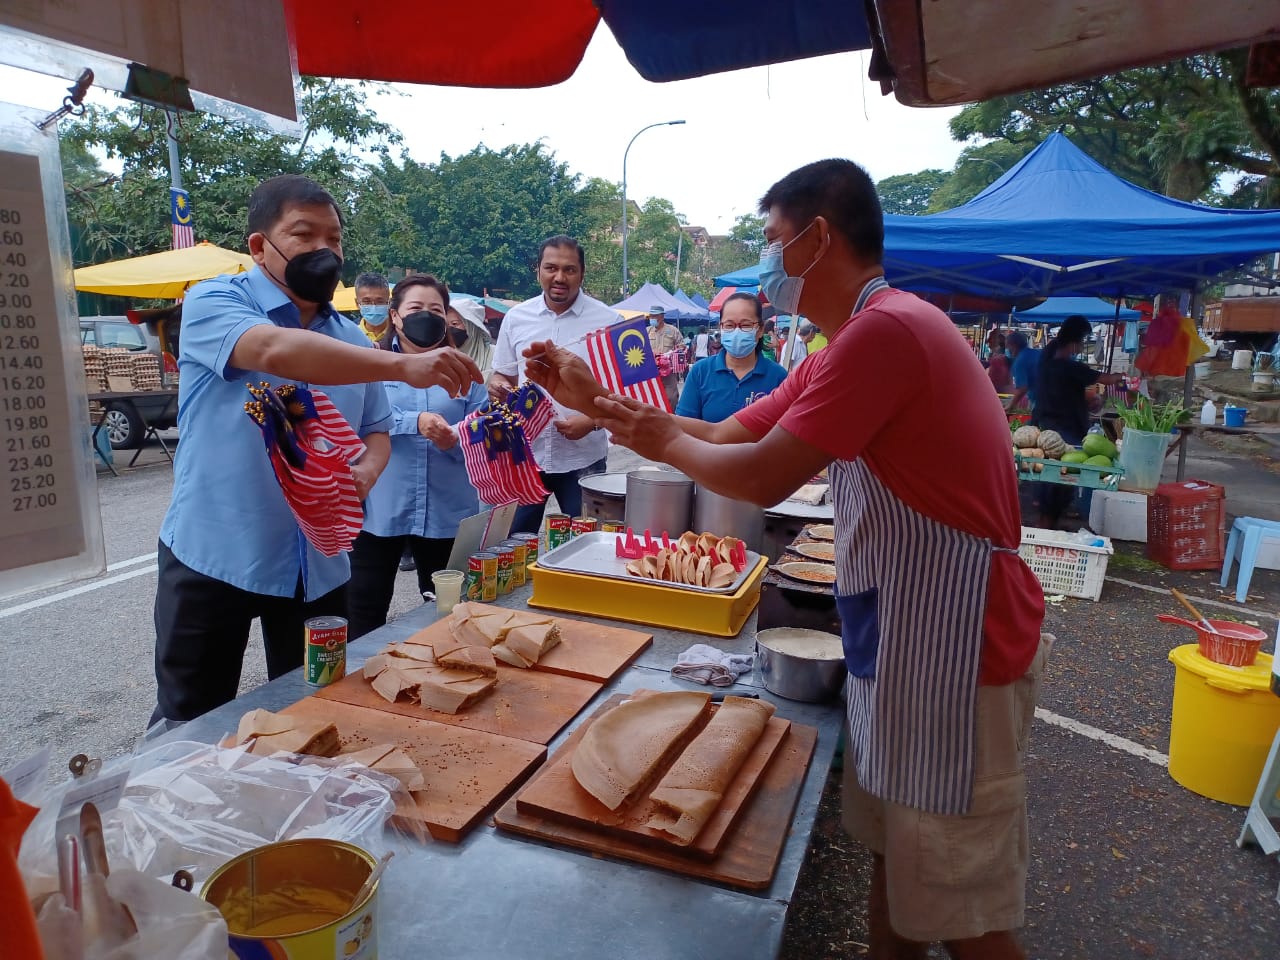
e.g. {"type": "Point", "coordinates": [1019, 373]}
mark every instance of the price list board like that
{"type": "Point", "coordinates": [49, 527]}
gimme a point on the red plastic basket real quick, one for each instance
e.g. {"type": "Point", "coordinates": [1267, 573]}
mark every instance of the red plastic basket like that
{"type": "Point", "coordinates": [1186, 525]}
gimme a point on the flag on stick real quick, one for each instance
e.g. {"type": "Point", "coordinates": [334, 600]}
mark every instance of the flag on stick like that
{"type": "Point", "coordinates": [184, 234]}
{"type": "Point", "coordinates": [622, 360]}
{"type": "Point", "coordinates": [496, 451]}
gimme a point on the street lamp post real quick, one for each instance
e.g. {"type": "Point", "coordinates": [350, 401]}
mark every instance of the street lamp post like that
{"type": "Point", "coordinates": [626, 279]}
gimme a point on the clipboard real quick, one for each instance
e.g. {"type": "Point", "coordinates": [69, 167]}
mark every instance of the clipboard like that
{"type": "Point", "coordinates": [480, 532]}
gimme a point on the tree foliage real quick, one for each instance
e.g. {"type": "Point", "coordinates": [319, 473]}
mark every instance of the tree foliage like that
{"type": "Point", "coordinates": [909, 193]}
{"type": "Point", "coordinates": [1174, 128]}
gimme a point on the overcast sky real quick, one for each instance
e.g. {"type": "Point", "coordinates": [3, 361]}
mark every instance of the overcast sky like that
{"type": "Point", "coordinates": [743, 130]}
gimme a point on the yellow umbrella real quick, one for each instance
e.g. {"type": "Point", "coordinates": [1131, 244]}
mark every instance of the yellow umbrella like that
{"type": "Point", "coordinates": [161, 276]}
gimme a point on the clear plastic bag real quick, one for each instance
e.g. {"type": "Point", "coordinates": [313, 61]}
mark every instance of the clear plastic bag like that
{"type": "Point", "coordinates": [194, 806]}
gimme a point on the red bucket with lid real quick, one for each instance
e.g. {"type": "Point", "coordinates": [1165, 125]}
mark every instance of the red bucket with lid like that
{"type": "Point", "coordinates": [1232, 644]}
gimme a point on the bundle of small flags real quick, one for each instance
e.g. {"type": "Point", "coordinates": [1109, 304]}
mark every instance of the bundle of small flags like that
{"type": "Point", "coordinates": [495, 446]}
{"type": "Point", "coordinates": [311, 446]}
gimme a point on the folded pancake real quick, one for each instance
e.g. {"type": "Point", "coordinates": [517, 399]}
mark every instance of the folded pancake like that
{"type": "Point", "coordinates": [303, 736]}
{"type": "Point", "coordinates": [622, 749]}
{"type": "Point", "coordinates": [389, 759]}
{"type": "Point", "coordinates": [409, 651]}
{"type": "Point", "coordinates": [262, 723]}
{"type": "Point", "coordinates": [531, 642]}
{"type": "Point", "coordinates": [722, 574]}
{"type": "Point", "coordinates": [474, 659]}
{"type": "Point", "coordinates": [451, 690]}
{"type": "Point", "coordinates": [504, 653]}
{"type": "Point", "coordinates": [689, 793]}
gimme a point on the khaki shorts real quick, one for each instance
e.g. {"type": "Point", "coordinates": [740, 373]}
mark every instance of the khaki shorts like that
{"type": "Point", "coordinates": [957, 877]}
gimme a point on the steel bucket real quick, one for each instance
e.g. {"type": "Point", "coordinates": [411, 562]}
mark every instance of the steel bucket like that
{"type": "Point", "coordinates": [726, 517]}
{"type": "Point", "coordinates": [660, 501]}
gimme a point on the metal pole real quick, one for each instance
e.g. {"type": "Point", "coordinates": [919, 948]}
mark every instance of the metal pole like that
{"type": "Point", "coordinates": [175, 170]}
{"type": "Point", "coordinates": [626, 279]}
{"type": "Point", "coordinates": [679, 252]}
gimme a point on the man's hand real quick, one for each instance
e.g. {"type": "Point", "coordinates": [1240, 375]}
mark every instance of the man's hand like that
{"type": "Point", "coordinates": [564, 375]}
{"type": "Point", "coordinates": [638, 426]}
{"type": "Point", "coordinates": [436, 429]}
{"type": "Point", "coordinates": [499, 386]}
{"type": "Point", "coordinates": [446, 367]}
{"type": "Point", "coordinates": [575, 427]}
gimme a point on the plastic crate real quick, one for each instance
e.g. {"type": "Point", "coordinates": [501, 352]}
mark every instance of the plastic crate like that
{"type": "Point", "coordinates": [1186, 525]}
{"type": "Point", "coordinates": [1063, 564]}
{"type": "Point", "coordinates": [1068, 474]}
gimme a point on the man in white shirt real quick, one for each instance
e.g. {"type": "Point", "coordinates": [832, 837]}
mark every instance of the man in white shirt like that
{"type": "Point", "coordinates": [701, 344]}
{"type": "Point", "coordinates": [573, 447]}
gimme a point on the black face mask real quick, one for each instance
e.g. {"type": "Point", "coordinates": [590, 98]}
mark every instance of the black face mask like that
{"type": "Point", "coordinates": [314, 275]}
{"type": "Point", "coordinates": [457, 337]}
{"type": "Point", "coordinates": [424, 329]}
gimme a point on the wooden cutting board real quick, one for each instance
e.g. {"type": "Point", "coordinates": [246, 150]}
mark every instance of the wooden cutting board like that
{"type": "Point", "coordinates": [751, 851]}
{"type": "Point", "coordinates": [526, 704]}
{"type": "Point", "coordinates": [586, 650]}
{"type": "Point", "coordinates": [556, 794]}
{"type": "Point", "coordinates": [467, 771]}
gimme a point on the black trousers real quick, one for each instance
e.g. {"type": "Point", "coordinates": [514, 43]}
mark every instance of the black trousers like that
{"type": "Point", "coordinates": [202, 629]}
{"type": "Point", "coordinates": [375, 561]}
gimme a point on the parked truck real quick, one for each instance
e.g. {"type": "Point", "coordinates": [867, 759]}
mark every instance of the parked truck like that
{"type": "Point", "coordinates": [1250, 322]}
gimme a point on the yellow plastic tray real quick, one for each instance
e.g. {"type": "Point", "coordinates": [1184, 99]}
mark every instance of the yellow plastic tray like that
{"type": "Point", "coordinates": [720, 615]}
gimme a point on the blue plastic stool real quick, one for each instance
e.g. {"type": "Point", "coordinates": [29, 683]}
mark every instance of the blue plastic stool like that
{"type": "Point", "coordinates": [1247, 534]}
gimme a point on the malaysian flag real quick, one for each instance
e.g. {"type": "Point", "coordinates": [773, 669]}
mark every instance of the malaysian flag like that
{"type": "Point", "coordinates": [495, 447]}
{"type": "Point", "coordinates": [184, 234]}
{"type": "Point", "coordinates": [622, 360]}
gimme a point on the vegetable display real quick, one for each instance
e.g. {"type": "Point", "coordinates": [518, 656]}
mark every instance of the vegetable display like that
{"type": "Point", "coordinates": [1144, 415]}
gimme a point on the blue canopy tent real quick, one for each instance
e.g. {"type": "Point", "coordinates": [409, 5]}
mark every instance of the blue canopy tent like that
{"type": "Point", "coordinates": [697, 312]}
{"type": "Point", "coordinates": [1057, 309]}
{"type": "Point", "coordinates": [652, 295]}
{"type": "Point", "coordinates": [1059, 222]}
{"type": "Point", "coordinates": [746, 278]}
{"type": "Point", "coordinates": [700, 300]}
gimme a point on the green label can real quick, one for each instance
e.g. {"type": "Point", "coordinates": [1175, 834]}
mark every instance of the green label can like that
{"type": "Point", "coordinates": [530, 541]}
{"type": "Point", "coordinates": [506, 558]}
{"type": "Point", "coordinates": [559, 530]}
{"type": "Point", "coordinates": [519, 562]}
{"type": "Point", "coordinates": [489, 574]}
{"type": "Point", "coordinates": [326, 650]}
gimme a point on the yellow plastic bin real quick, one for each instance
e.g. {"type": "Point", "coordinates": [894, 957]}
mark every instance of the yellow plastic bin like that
{"type": "Point", "coordinates": [1224, 719]}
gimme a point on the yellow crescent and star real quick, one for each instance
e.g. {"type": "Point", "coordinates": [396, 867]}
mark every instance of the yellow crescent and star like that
{"type": "Point", "coordinates": [631, 356]}
{"type": "Point", "coordinates": [182, 211]}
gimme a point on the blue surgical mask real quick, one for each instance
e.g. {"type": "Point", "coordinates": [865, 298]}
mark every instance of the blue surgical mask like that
{"type": "Point", "coordinates": [738, 343]}
{"type": "Point", "coordinates": [653, 323]}
{"type": "Point", "coordinates": [782, 290]}
{"type": "Point", "coordinates": [374, 314]}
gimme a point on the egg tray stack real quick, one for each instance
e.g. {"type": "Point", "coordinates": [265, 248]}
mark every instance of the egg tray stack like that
{"type": "Point", "coordinates": [95, 368]}
{"type": "Point", "coordinates": [118, 362]}
{"type": "Point", "coordinates": [145, 371]}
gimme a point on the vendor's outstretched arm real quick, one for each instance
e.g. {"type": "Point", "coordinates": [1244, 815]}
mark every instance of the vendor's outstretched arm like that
{"type": "Point", "coordinates": [764, 471]}
{"type": "Point", "coordinates": [314, 358]}
{"type": "Point", "coordinates": [565, 376]}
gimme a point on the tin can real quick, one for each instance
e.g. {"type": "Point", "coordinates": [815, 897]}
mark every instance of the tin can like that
{"type": "Point", "coordinates": [559, 530]}
{"type": "Point", "coordinates": [612, 526]}
{"type": "Point", "coordinates": [473, 583]}
{"type": "Point", "coordinates": [506, 557]}
{"type": "Point", "coordinates": [519, 562]}
{"type": "Point", "coordinates": [530, 541]}
{"type": "Point", "coordinates": [292, 900]}
{"type": "Point", "coordinates": [489, 571]}
{"type": "Point", "coordinates": [581, 525]}
{"type": "Point", "coordinates": [326, 650]}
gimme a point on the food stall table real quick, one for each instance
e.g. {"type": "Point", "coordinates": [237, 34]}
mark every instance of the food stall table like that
{"type": "Point", "coordinates": [144, 402]}
{"type": "Point", "coordinates": [494, 894]}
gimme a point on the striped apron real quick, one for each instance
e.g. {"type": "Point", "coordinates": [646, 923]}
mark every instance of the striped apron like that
{"type": "Point", "coordinates": [912, 595]}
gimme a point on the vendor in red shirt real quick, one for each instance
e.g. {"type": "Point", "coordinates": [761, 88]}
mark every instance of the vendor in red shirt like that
{"type": "Point", "coordinates": [941, 619]}
{"type": "Point", "coordinates": [998, 367]}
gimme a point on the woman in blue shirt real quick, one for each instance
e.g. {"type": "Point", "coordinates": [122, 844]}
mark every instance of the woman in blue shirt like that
{"type": "Point", "coordinates": [719, 386]}
{"type": "Point", "coordinates": [424, 492]}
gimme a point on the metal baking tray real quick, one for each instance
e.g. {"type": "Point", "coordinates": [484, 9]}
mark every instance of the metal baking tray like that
{"type": "Point", "coordinates": [595, 554]}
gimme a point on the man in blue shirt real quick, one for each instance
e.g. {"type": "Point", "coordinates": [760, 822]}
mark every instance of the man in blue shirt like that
{"type": "Point", "coordinates": [230, 550]}
{"type": "Point", "coordinates": [1025, 369]}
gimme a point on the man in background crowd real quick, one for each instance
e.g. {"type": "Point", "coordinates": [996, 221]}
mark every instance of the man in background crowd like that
{"type": "Point", "coordinates": [373, 299]}
{"type": "Point", "coordinates": [573, 447]}
{"type": "Point", "coordinates": [663, 338]}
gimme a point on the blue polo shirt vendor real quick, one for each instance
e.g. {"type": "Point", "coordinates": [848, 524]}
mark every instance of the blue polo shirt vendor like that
{"type": "Point", "coordinates": [230, 549]}
{"type": "Point", "coordinates": [740, 374]}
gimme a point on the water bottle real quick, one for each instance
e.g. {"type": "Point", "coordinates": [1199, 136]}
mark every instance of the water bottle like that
{"type": "Point", "coordinates": [1209, 413]}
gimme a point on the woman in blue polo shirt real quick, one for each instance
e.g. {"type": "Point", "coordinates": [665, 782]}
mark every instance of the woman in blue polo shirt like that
{"type": "Point", "coordinates": [719, 386]}
{"type": "Point", "coordinates": [424, 492]}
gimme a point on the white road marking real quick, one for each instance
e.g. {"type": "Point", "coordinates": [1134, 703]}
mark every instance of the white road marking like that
{"type": "Point", "coordinates": [1247, 611]}
{"type": "Point", "coordinates": [76, 591]}
{"type": "Point", "coordinates": [121, 564]}
{"type": "Point", "coordinates": [1110, 739]}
